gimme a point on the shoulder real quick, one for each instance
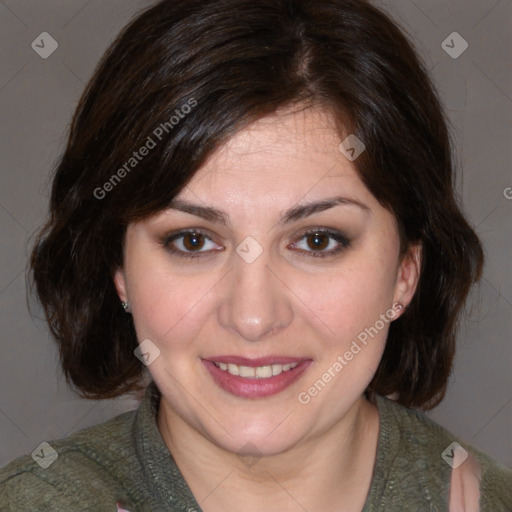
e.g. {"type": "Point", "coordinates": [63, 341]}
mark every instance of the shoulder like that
{"type": "Point", "coordinates": [422, 445]}
{"type": "Point", "coordinates": [495, 480]}
{"type": "Point", "coordinates": [81, 472]}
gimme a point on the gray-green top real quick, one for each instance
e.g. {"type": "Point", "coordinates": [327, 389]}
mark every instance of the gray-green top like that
{"type": "Point", "coordinates": [125, 459]}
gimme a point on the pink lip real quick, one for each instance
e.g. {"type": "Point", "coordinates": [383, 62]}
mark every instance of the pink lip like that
{"type": "Point", "coordinates": [255, 388]}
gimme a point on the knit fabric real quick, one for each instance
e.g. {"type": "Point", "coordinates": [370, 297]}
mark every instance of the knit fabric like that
{"type": "Point", "coordinates": [125, 464]}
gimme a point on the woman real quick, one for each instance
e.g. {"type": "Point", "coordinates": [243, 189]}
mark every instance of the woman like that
{"type": "Point", "coordinates": [256, 206]}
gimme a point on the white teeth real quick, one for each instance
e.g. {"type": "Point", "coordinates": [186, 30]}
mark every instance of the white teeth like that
{"type": "Point", "coordinates": [246, 371]}
{"type": "Point", "coordinates": [264, 372]}
{"type": "Point", "coordinates": [232, 369]}
{"type": "Point", "coordinates": [258, 372]}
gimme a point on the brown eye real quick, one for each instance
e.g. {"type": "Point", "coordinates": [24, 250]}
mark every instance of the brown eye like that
{"type": "Point", "coordinates": [190, 244]}
{"type": "Point", "coordinates": [193, 241]}
{"type": "Point", "coordinates": [317, 241]}
{"type": "Point", "coordinates": [321, 243]}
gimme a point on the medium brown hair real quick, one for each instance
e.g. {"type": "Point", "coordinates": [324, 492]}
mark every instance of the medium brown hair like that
{"type": "Point", "coordinates": [234, 62]}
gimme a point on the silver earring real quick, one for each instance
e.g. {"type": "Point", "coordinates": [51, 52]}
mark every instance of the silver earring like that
{"type": "Point", "coordinates": [125, 305]}
{"type": "Point", "coordinates": [399, 306]}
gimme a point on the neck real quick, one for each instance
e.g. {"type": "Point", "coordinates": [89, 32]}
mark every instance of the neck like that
{"type": "Point", "coordinates": [330, 470]}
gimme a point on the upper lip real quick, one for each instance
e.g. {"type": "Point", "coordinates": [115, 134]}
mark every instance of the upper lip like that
{"type": "Point", "coordinates": [260, 361]}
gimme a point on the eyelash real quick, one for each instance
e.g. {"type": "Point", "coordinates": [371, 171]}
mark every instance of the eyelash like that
{"type": "Point", "coordinates": [343, 243]}
{"type": "Point", "coordinates": [167, 243]}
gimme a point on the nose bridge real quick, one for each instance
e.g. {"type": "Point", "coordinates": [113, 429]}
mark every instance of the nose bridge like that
{"type": "Point", "coordinates": [255, 303]}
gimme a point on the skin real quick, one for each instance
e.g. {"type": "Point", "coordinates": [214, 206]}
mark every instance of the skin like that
{"type": "Point", "coordinates": [288, 302]}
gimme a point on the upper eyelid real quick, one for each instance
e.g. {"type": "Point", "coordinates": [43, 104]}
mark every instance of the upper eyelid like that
{"type": "Point", "coordinates": [337, 236]}
{"type": "Point", "coordinates": [169, 240]}
{"type": "Point", "coordinates": [182, 232]}
{"type": "Point", "coordinates": [201, 231]}
{"type": "Point", "coordinates": [323, 231]}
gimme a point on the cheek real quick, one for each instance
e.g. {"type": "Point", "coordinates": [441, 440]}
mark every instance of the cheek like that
{"type": "Point", "coordinates": [167, 308]}
{"type": "Point", "coordinates": [350, 315]}
{"type": "Point", "coordinates": [350, 299]}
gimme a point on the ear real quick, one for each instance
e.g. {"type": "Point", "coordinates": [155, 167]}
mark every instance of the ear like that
{"type": "Point", "coordinates": [408, 275]}
{"type": "Point", "coordinates": [120, 284]}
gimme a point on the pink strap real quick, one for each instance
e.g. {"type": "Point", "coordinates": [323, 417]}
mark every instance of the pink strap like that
{"type": "Point", "coordinates": [465, 486]}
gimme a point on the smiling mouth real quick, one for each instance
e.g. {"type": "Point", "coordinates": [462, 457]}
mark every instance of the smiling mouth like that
{"type": "Point", "coordinates": [257, 372]}
{"type": "Point", "coordinates": [254, 378]}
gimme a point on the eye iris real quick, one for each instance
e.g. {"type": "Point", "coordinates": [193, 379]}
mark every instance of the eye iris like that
{"type": "Point", "coordinates": [193, 241]}
{"type": "Point", "coordinates": [317, 241]}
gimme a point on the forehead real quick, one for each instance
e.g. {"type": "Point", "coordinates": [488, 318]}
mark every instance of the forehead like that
{"type": "Point", "coordinates": [288, 132]}
{"type": "Point", "coordinates": [296, 150]}
{"type": "Point", "coordinates": [282, 163]}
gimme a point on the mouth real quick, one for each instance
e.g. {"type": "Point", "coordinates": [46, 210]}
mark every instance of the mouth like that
{"type": "Point", "coordinates": [255, 378]}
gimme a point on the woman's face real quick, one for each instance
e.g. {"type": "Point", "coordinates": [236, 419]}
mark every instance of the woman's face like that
{"type": "Point", "coordinates": [267, 287]}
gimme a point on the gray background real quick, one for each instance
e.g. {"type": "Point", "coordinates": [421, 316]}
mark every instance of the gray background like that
{"type": "Point", "coordinates": [37, 98]}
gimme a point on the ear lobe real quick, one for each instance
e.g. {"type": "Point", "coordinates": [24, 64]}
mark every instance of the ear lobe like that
{"type": "Point", "coordinates": [120, 284]}
{"type": "Point", "coordinates": [408, 274]}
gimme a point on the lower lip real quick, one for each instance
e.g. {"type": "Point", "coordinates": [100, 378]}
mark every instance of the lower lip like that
{"type": "Point", "coordinates": [255, 388]}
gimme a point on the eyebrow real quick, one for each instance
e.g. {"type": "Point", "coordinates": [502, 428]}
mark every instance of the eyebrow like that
{"type": "Point", "coordinates": [297, 212]}
{"type": "Point", "coordinates": [305, 210]}
{"type": "Point", "coordinates": [205, 212]}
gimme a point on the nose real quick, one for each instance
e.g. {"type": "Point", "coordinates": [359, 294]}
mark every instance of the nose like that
{"type": "Point", "coordinates": [255, 303]}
